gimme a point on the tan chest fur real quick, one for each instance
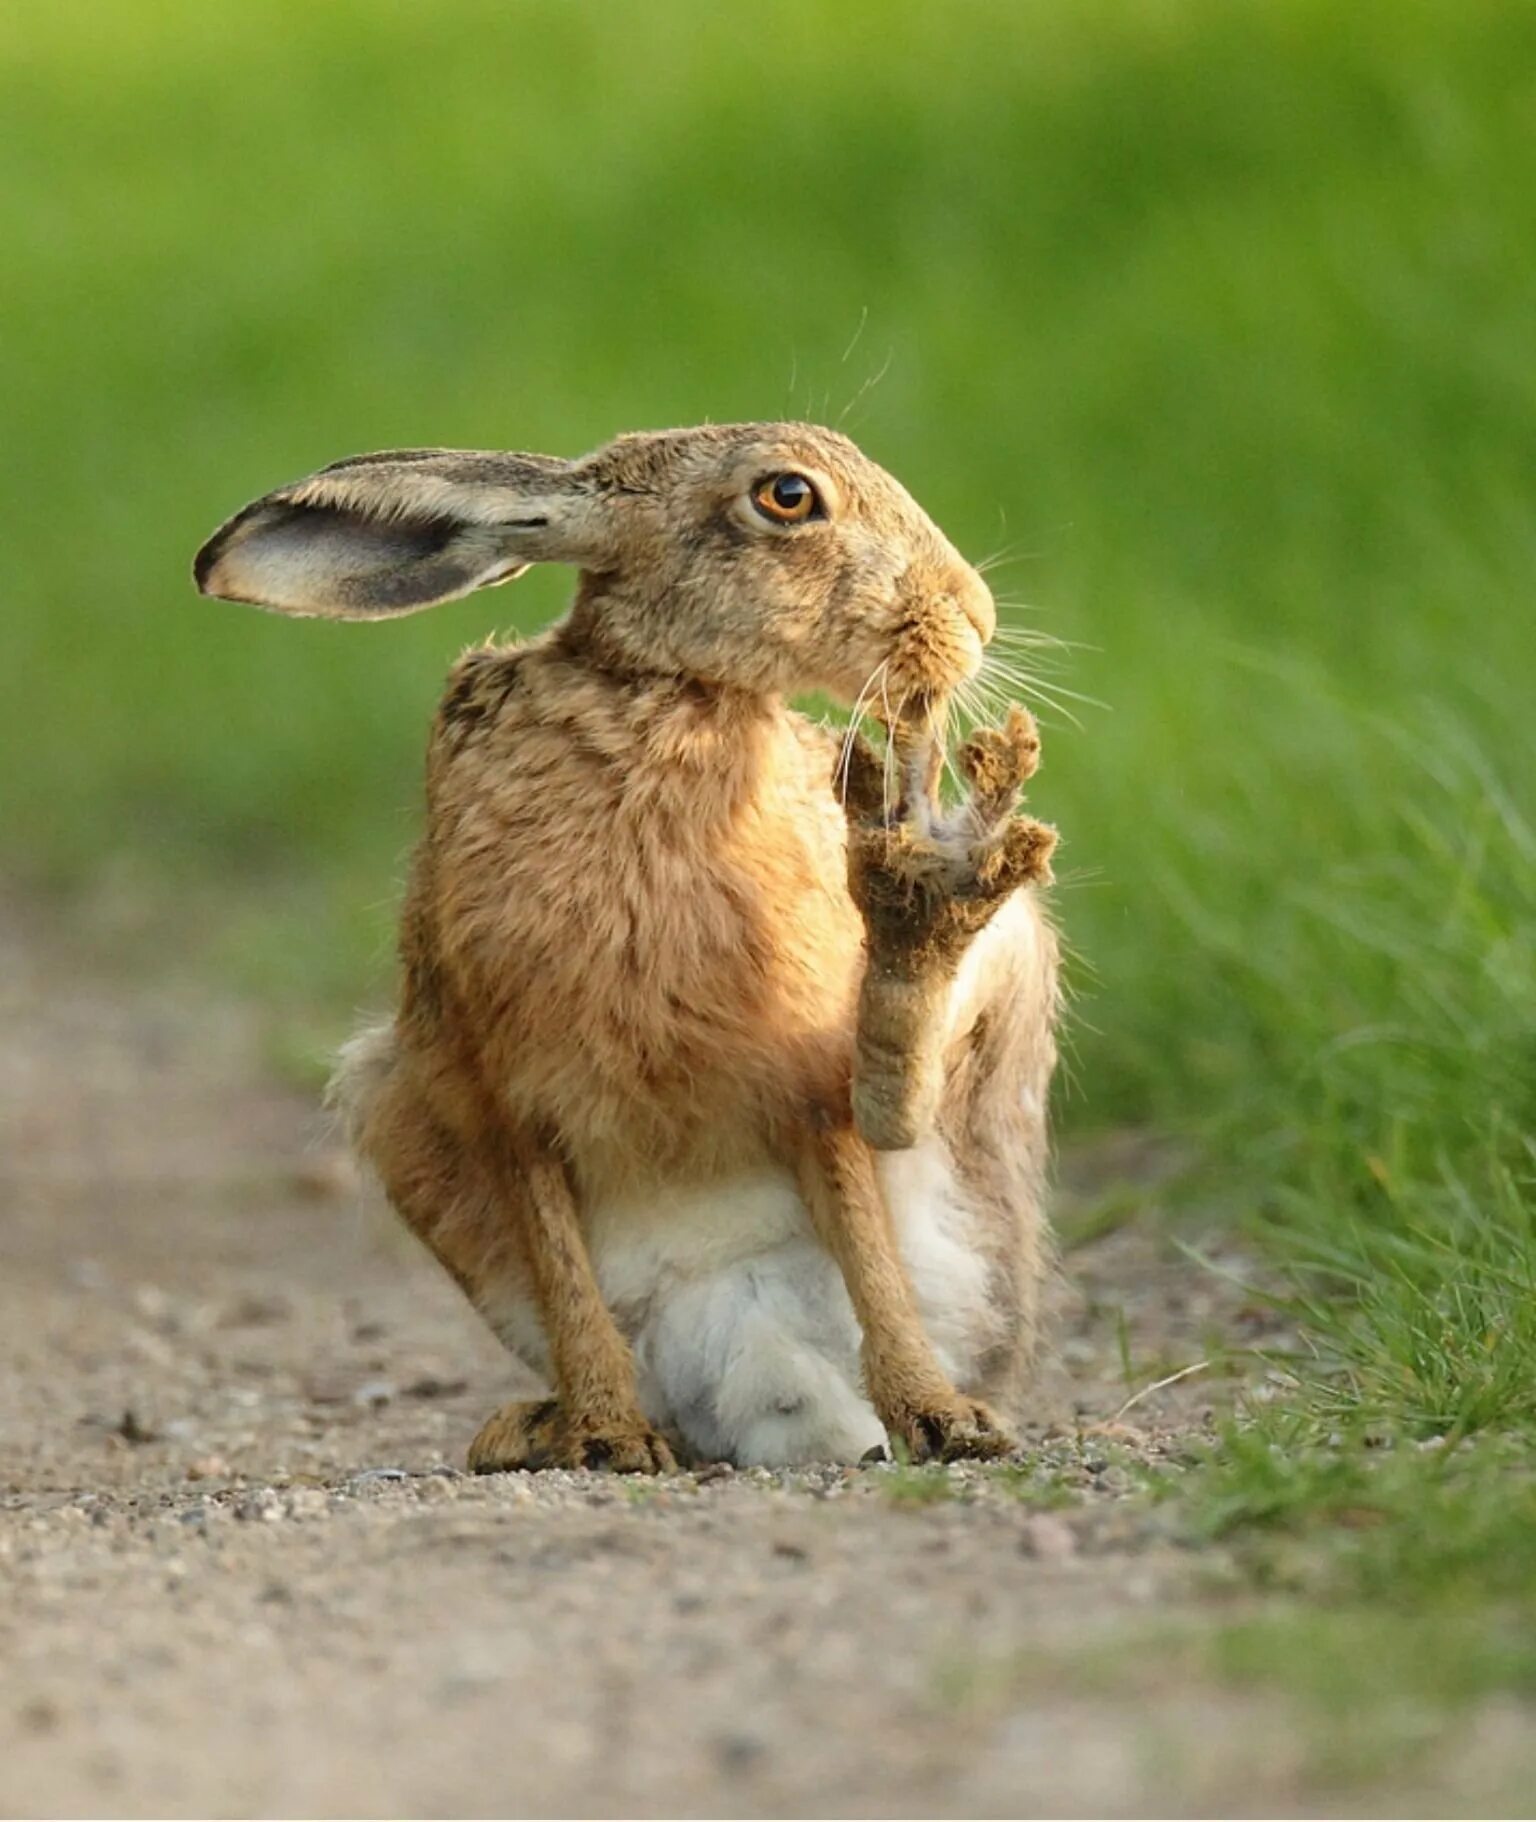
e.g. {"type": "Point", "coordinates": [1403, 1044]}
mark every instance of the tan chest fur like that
{"type": "Point", "coordinates": [638, 892]}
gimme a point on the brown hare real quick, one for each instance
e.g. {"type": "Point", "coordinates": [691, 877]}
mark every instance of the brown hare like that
{"type": "Point", "coordinates": [719, 1074]}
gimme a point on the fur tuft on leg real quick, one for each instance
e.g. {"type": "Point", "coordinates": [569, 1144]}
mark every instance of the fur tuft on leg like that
{"type": "Point", "coordinates": [363, 1066]}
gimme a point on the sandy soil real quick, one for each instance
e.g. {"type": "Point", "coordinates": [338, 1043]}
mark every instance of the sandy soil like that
{"type": "Point", "coordinates": [241, 1572]}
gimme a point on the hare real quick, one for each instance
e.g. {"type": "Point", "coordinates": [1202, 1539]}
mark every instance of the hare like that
{"type": "Point", "coordinates": [718, 1080]}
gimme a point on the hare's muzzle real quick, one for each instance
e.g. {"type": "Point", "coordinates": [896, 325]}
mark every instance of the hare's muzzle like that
{"type": "Point", "coordinates": [974, 599]}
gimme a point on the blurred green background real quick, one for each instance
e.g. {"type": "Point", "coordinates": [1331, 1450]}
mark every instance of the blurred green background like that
{"type": "Point", "coordinates": [1219, 318]}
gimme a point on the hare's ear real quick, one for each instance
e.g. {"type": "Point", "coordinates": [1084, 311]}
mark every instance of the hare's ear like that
{"type": "Point", "coordinates": [387, 534]}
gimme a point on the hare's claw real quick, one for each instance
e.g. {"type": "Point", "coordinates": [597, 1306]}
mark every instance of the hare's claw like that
{"type": "Point", "coordinates": [619, 1448]}
{"type": "Point", "coordinates": [540, 1435]}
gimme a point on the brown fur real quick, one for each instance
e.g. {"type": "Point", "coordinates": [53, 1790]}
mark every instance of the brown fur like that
{"type": "Point", "coordinates": [641, 945]}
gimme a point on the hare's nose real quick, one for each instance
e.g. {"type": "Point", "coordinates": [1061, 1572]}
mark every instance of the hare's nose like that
{"type": "Point", "coordinates": [974, 599]}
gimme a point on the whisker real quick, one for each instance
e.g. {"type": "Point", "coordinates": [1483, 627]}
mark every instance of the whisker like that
{"type": "Point", "coordinates": [1002, 683]}
{"type": "Point", "coordinates": [979, 711]}
{"type": "Point", "coordinates": [1036, 692]}
{"type": "Point", "coordinates": [856, 713]}
{"type": "Point", "coordinates": [973, 704]}
{"type": "Point", "coordinates": [964, 699]}
{"type": "Point", "coordinates": [1031, 663]}
{"type": "Point", "coordinates": [855, 721]}
{"type": "Point", "coordinates": [961, 800]}
{"type": "Point", "coordinates": [886, 792]}
{"type": "Point", "coordinates": [1014, 667]}
{"type": "Point", "coordinates": [1033, 638]}
{"type": "Point", "coordinates": [909, 778]}
{"type": "Point", "coordinates": [1005, 558]}
{"type": "Point", "coordinates": [1028, 680]}
{"type": "Point", "coordinates": [869, 385]}
{"type": "Point", "coordinates": [1003, 554]}
{"type": "Point", "coordinates": [850, 730]}
{"type": "Point", "coordinates": [1016, 604]}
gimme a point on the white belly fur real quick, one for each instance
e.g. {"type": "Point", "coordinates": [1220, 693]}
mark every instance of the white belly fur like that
{"type": "Point", "coordinates": [743, 1333]}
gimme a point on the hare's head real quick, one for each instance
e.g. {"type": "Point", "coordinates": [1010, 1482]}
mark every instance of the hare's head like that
{"type": "Point", "coordinates": [773, 557]}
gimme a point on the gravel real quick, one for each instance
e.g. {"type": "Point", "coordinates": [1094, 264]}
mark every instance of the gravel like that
{"type": "Point", "coordinates": [242, 1573]}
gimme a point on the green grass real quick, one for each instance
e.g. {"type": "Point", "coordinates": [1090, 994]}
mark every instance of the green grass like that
{"type": "Point", "coordinates": [1219, 317]}
{"type": "Point", "coordinates": [1359, 1614]}
{"type": "Point", "coordinates": [1329, 1698]}
{"type": "Point", "coordinates": [1397, 1584]}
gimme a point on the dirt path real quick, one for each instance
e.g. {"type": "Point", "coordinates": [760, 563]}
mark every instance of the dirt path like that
{"type": "Point", "coordinates": [240, 1572]}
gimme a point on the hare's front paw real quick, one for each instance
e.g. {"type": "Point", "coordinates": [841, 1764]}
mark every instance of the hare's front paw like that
{"type": "Point", "coordinates": [952, 1428]}
{"type": "Point", "coordinates": [534, 1436]}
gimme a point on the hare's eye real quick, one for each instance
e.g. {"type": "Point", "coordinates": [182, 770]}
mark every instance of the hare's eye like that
{"type": "Point", "coordinates": [787, 499]}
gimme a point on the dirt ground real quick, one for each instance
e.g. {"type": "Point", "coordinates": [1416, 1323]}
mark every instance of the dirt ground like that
{"type": "Point", "coordinates": [241, 1572]}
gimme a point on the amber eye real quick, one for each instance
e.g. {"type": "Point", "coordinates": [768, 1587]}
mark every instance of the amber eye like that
{"type": "Point", "coordinates": [787, 499]}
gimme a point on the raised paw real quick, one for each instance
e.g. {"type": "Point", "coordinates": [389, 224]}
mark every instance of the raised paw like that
{"type": "Point", "coordinates": [955, 1428]}
{"type": "Point", "coordinates": [539, 1435]}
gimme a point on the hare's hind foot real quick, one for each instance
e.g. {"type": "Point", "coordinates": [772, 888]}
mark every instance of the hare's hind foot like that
{"type": "Point", "coordinates": [953, 1428]}
{"type": "Point", "coordinates": [540, 1435]}
{"type": "Point", "coordinates": [926, 878]}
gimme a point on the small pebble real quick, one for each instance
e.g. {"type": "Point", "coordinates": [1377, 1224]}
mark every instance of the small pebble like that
{"type": "Point", "coordinates": [1050, 1538]}
{"type": "Point", "coordinates": [262, 1506]}
{"type": "Point", "coordinates": [430, 1386]}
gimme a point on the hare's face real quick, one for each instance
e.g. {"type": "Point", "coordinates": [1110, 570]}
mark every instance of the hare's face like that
{"type": "Point", "coordinates": [777, 556]}
{"type": "Point", "coordinates": [767, 556]}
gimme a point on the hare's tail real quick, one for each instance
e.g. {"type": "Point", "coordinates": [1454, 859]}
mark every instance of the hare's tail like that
{"type": "Point", "coordinates": [363, 1066]}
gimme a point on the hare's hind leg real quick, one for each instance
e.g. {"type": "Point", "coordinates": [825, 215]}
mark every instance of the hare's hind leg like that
{"type": "Point", "coordinates": [497, 1210]}
{"type": "Point", "coordinates": [926, 882]}
{"type": "Point", "coordinates": [999, 1055]}
{"type": "Point", "coordinates": [929, 882]}
{"type": "Point", "coordinates": [906, 1384]}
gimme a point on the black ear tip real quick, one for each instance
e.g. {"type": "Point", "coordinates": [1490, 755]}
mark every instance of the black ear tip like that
{"type": "Point", "coordinates": [204, 563]}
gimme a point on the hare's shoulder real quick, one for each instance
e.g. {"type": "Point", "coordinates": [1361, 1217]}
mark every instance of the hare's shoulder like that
{"type": "Point", "coordinates": [515, 725]}
{"type": "Point", "coordinates": [480, 689]}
